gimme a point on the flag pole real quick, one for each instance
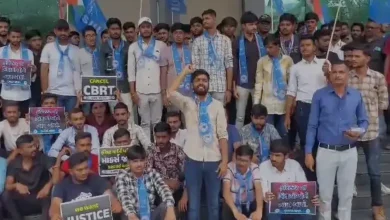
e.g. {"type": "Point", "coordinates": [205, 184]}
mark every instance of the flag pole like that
{"type": "Point", "coordinates": [333, 29]}
{"type": "Point", "coordinates": [172, 16]}
{"type": "Point", "coordinates": [140, 8]}
{"type": "Point", "coordinates": [67, 12]}
{"type": "Point", "coordinates": [272, 16]}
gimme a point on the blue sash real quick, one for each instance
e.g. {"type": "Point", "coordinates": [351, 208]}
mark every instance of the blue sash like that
{"type": "Point", "coordinates": [263, 146]}
{"type": "Point", "coordinates": [143, 200]}
{"type": "Point", "coordinates": [61, 63]}
{"type": "Point", "coordinates": [118, 59]}
{"type": "Point", "coordinates": [212, 51]}
{"type": "Point", "coordinates": [278, 84]}
{"type": "Point", "coordinates": [149, 52]}
{"type": "Point", "coordinates": [205, 127]}
{"type": "Point", "coordinates": [25, 57]}
{"type": "Point", "coordinates": [178, 61]}
{"type": "Point", "coordinates": [242, 56]}
{"type": "Point", "coordinates": [246, 186]}
{"type": "Point", "coordinates": [95, 60]}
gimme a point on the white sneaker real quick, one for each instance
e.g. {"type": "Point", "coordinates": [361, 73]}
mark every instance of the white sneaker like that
{"type": "Point", "coordinates": [354, 190]}
{"type": "Point", "coordinates": [385, 190]}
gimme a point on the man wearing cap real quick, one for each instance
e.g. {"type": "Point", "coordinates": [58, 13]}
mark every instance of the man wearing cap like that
{"type": "Point", "coordinates": [60, 68]}
{"type": "Point", "coordinates": [144, 59]}
{"type": "Point", "coordinates": [264, 25]}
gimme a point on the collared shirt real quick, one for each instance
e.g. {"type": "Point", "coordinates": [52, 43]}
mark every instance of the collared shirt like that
{"type": "Point", "coordinates": [167, 60]}
{"type": "Point", "coordinates": [180, 138]}
{"type": "Point", "coordinates": [269, 133]}
{"type": "Point", "coordinates": [331, 116]}
{"type": "Point", "coordinates": [170, 164]}
{"type": "Point", "coordinates": [252, 56]}
{"type": "Point", "coordinates": [145, 71]}
{"type": "Point", "coordinates": [337, 49]}
{"type": "Point", "coordinates": [305, 78]}
{"type": "Point", "coordinates": [11, 133]}
{"type": "Point", "coordinates": [66, 138]}
{"type": "Point", "coordinates": [375, 97]}
{"type": "Point", "coordinates": [137, 136]}
{"type": "Point", "coordinates": [217, 71]}
{"type": "Point", "coordinates": [86, 62]}
{"type": "Point", "coordinates": [291, 173]}
{"type": "Point", "coordinates": [194, 146]}
{"type": "Point", "coordinates": [264, 91]}
{"type": "Point", "coordinates": [127, 190]}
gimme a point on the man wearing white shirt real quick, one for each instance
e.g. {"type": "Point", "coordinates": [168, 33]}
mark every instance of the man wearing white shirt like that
{"type": "Point", "coordinates": [16, 51]}
{"type": "Point", "coordinates": [60, 68]}
{"type": "Point", "coordinates": [89, 55]}
{"type": "Point", "coordinates": [178, 136]}
{"type": "Point", "coordinates": [337, 43]}
{"type": "Point", "coordinates": [144, 59]}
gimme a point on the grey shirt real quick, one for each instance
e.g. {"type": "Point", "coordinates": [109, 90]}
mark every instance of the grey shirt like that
{"type": "Point", "coordinates": [378, 56]}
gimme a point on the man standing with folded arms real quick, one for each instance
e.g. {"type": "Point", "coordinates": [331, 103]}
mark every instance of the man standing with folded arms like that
{"type": "Point", "coordinates": [338, 118]}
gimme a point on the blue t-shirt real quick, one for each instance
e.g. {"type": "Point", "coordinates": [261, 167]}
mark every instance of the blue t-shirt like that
{"type": "Point", "coordinates": [234, 137]}
{"type": "Point", "coordinates": [68, 191]}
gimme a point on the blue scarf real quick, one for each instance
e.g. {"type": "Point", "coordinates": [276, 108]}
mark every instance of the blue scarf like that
{"type": "Point", "coordinates": [205, 127]}
{"type": "Point", "coordinates": [61, 63]}
{"type": "Point", "coordinates": [246, 186]}
{"type": "Point", "coordinates": [95, 60]}
{"type": "Point", "coordinates": [242, 56]}
{"type": "Point", "coordinates": [186, 85]}
{"type": "Point", "coordinates": [263, 146]}
{"type": "Point", "coordinates": [279, 85]}
{"type": "Point", "coordinates": [212, 52]}
{"type": "Point", "coordinates": [118, 60]}
{"type": "Point", "coordinates": [143, 200]}
{"type": "Point", "coordinates": [25, 57]}
{"type": "Point", "coordinates": [149, 52]}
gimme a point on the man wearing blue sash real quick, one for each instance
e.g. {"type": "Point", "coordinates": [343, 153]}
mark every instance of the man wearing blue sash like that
{"type": "Point", "coordinates": [143, 64]}
{"type": "Point", "coordinates": [89, 55]}
{"type": "Point", "coordinates": [60, 68]}
{"type": "Point", "coordinates": [16, 51]}
{"type": "Point", "coordinates": [247, 50]}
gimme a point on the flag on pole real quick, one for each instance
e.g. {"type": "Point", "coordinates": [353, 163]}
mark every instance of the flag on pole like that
{"type": "Point", "coordinates": [320, 7]}
{"type": "Point", "coordinates": [379, 11]}
{"type": "Point", "coordinates": [92, 16]}
{"type": "Point", "coordinates": [177, 6]}
{"type": "Point", "coordinates": [279, 6]}
{"type": "Point", "coordinates": [75, 2]}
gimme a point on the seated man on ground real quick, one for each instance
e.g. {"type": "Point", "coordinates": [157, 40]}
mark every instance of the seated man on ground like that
{"type": "Point", "coordinates": [242, 187]}
{"type": "Point", "coordinates": [138, 187]}
{"type": "Point", "coordinates": [81, 184]}
{"type": "Point", "coordinates": [84, 145]}
{"type": "Point", "coordinates": [28, 184]}
{"type": "Point", "coordinates": [279, 168]}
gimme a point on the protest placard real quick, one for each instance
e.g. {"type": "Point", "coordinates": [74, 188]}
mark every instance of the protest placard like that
{"type": "Point", "coordinates": [93, 208]}
{"type": "Point", "coordinates": [98, 88]}
{"type": "Point", "coordinates": [293, 198]}
{"type": "Point", "coordinates": [15, 72]}
{"type": "Point", "coordinates": [47, 120]}
{"type": "Point", "coordinates": [111, 160]}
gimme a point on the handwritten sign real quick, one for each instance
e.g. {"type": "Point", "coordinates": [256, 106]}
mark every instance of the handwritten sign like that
{"type": "Point", "coordinates": [15, 72]}
{"type": "Point", "coordinates": [293, 198]}
{"type": "Point", "coordinates": [47, 120]}
{"type": "Point", "coordinates": [98, 207]}
{"type": "Point", "coordinates": [98, 88]}
{"type": "Point", "coordinates": [111, 160]}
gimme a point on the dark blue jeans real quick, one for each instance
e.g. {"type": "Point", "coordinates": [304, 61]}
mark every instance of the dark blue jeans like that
{"type": "Point", "coordinates": [197, 173]}
{"type": "Point", "coordinates": [69, 102]}
{"type": "Point", "coordinates": [278, 122]}
{"type": "Point", "coordinates": [372, 151]}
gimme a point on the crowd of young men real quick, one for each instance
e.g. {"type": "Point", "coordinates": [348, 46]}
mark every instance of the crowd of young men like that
{"type": "Point", "coordinates": [329, 103]}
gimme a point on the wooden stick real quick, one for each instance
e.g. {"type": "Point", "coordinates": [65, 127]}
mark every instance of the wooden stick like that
{"type": "Point", "coordinates": [272, 16]}
{"type": "Point", "coordinates": [140, 8]}
{"type": "Point", "coordinates": [334, 27]}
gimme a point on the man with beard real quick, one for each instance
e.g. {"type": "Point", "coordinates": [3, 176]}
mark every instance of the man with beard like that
{"type": "Point", "coordinates": [264, 25]}
{"type": "Point", "coordinates": [89, 55]}
{"type": "Point", "coordinates": [213, 52]}
{"type": "Point", "coordinates": [289, 42]}
{"type": "Point", "coordinates": [129, 32]}
{"type": "Point", "coordinates": [207, 146]}
{"type": "Point", "coordinates": [113, 63]}
{"type": "Point", "coordinates": [74, 38]}
{"type": "Point", "coordinates": [322, 38]}
{"type": "Point", "coordinates": [162, 32]}
{"type": "Point", "coordinates": [336, 43]}
{"type": "Point", "coordinates": [16, 51]}
{"type": "Point", "coordinates": [67, 136]}
{"type": "Point", "coordinates": [311, 22]}
{"type": "Point", "coordinates": [28, 185]}
{"type": "Point", "coordinates": [357, 31]}
{"type": "Point", "coordinates": [34, 40]}
{"type": "Point", "coordinates": [4, 26]}
{"type": "Point", "coordinates": [60, 68]}
{"type": "Point", "coordinates": [121, 115]}
{"type": "Point", "coordinates": [178, 135]}
{"type": "Point", "coordinates": [196, 27]}
{"type": "Point", "coordinates": [144, 61]}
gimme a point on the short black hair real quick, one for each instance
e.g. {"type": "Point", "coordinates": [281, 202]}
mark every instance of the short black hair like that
{"type": "Point", "coordinates": [244, 150]}
{"type": "Point", "coordinates": [105, 31]}
{"type": "Point", "coordinates": [272, 39]}
{"type": "Point", "coordinates": [62, 24]}
{"type": "Point", "coordinates": [128, 25]}
{"type": "Point", "coordinates": [120, 133]}
{"type": "Point", "coordinates": [15, 29]}
{"type": "Point", "coordinates": [187, 28]}
{"type": "Point", "coordinates": [161, 26]}
{"type": "Point", "coordinates": [76, 111]}
{"type": "Point", "coordinates": [136, 152]}
{"type": "Point", "coordinates": [361, 47]}
{"type": "Point", "coordinates": [209, 12]}
{"type": "Point", "coordinates": [112, 21]}
{"type": "Point", "coordinates": [311, 16]}
{"type": "Point", "coordinates": [248, 17]}
{"type": "Point", "coordinates": [48, 96]}
{"type": "Point", "coordinates": [9, 103]}
{"type": "Point", "coordinates": [199, 72]}
{"type": "Point", "coordinates": [74, 33]}
{"type": "Point", "coordinates": [279, 146]}
{"type": "Point", "coordinates": [173, 114]}
{"type": "Point", "coordinates": [288, 17]}
{"type": "Point", "coordinates": [177, 26]}
{"type": "Point", "coordinates": [88, 28]}
{"type": "Point", "coordinates": [121, 105]}
{"type": "Point", "coordinates": [359, 25]}
{"type": "Point", "coordinates": [307, 37]}
{"type": "Point", "coordinates": [195, 20]}
{"type": "Point", "coordinates": [162, 127]}
{"type": "Point", "coordinates": [338, 24]}
{"type": "Point", "coordinates": [229, 21]}
{"type": "Point", "coordinates": [5, 20]}
{"type": "Point", "coordinates": [32, 33]}
{"type": "Point", "coordinates": [51, 34]}
{"type": "Point", "coordinates": [322, 33]}
{"type": "Point", "coordinates": [77, 159]}
{"type": "Point", "coordinates": [347, 47]}
{"type": "Point", "coordinates": [82, 135]}
{"type": "Point", "coordinates": [343, 23]}
{"type": "Point", "coordinates": [259, 110]}
{"type": "Point", "coordinates": [24, 139]}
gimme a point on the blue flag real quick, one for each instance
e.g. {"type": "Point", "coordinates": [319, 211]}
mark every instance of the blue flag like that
{"type": "Point", "coordinates": [379, 11]}
{"type": "Point", "coordinates": [279, 6]}
{"type": "Point", "coordinates": [93, 16]}
{"type": "Point", "coordinates": [177, 6]}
